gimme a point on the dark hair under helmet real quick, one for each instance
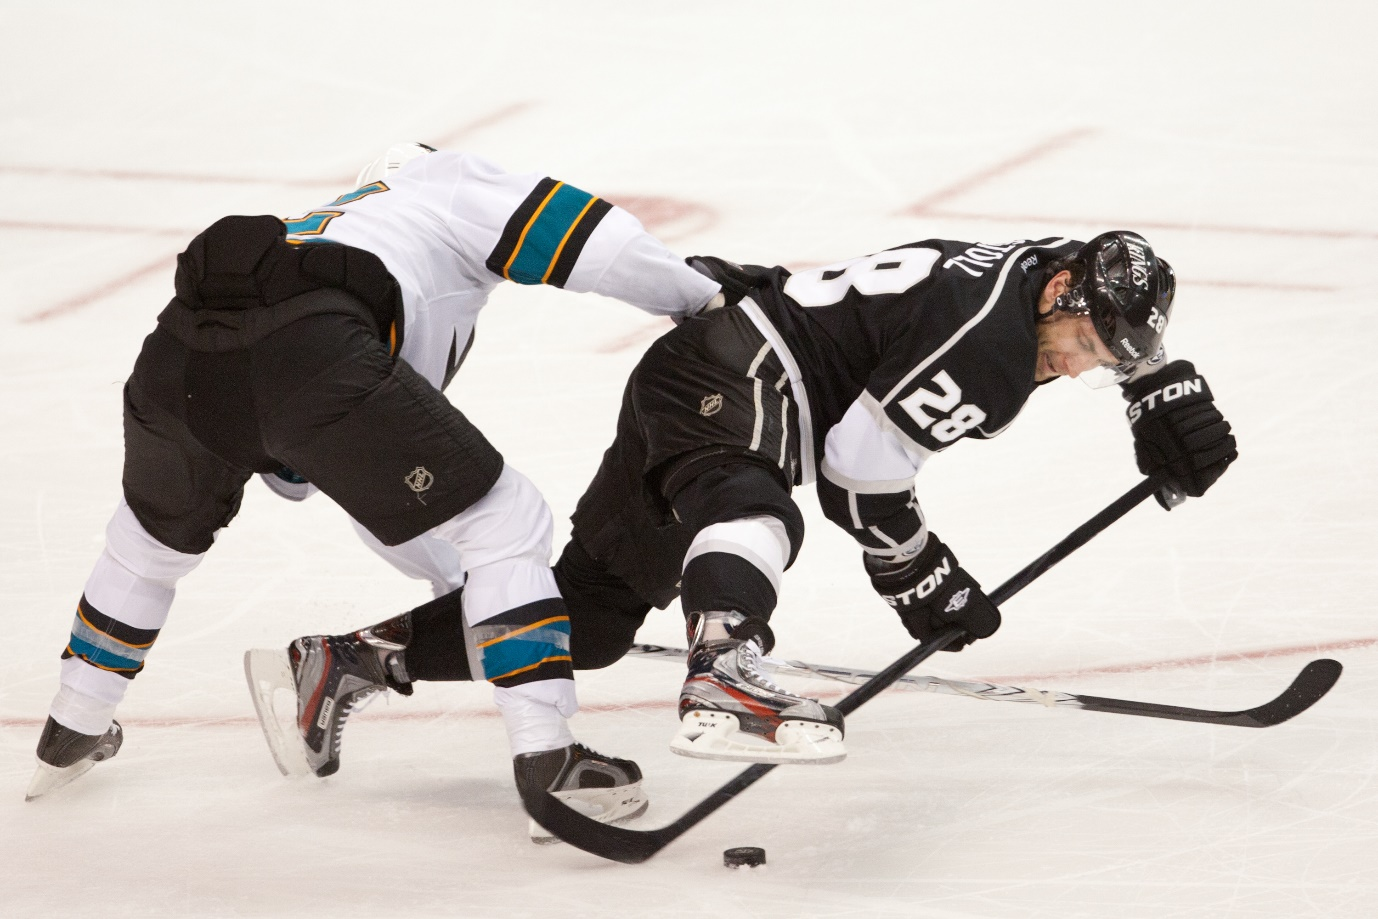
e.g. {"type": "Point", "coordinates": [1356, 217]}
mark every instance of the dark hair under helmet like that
{"type": "Point", "coordinates": [1127, 291]}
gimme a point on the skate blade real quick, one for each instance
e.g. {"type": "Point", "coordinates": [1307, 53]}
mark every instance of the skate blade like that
{"type": "Point", "coordinates": [48, 778]}
{"type": "Point", "coordinates": [618, 805]}
{"type": "Point", "coordinates": [275, 701]}
{"type": "Point", "coordinates": [708, 734]}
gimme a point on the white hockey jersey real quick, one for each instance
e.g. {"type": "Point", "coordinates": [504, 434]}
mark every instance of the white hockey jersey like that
{"type": "Point", "coordinates": [450, 227]}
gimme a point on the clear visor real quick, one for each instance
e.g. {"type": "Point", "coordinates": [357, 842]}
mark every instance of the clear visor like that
{"type": "Point", "coordinates": [1109, 375]}
{"type": "Point", "coordinates": [1104, 375]}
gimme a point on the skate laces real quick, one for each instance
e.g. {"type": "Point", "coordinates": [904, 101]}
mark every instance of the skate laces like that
{"type": "Point", "coordinates": [360, 701]}
{"type": "Point", "coordinates": [749, 663]}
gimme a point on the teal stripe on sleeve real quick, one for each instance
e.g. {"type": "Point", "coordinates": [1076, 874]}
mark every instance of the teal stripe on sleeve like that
{"type": "Point", "coordinates": [542, 241]}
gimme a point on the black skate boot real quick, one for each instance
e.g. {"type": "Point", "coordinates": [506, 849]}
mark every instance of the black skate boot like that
{"type": "Point", "coordinates": [330, 675]}
{"type": "Point", "coordinates": [65, 755]}
{"type": "Point", "coordinates": [729, 711]}
{"type": "Point", "coordinates": [335, 673]}
{"type": "Point", "coordinates": [604, 788]}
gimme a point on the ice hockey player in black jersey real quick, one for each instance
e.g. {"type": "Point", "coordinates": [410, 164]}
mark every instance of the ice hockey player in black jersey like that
{"type": "Point", "coordinates": [850, 375]}
{"type": "Point", "coordinates": [313, 351]}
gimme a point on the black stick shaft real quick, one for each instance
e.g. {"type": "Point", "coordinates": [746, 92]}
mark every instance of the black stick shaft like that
{"type": "Point", "coordinates": [1021, 579]}
{"type": "Point", "coordinates": [639, 845]}
{"type": "Point", "coordinates": [1074, 540]}
{"type": "Point", "coordinates": [887, 677]}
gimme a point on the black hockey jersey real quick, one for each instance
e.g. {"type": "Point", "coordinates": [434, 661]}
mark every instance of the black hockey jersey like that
{"type": "Point", "coordinates": [896, 356]}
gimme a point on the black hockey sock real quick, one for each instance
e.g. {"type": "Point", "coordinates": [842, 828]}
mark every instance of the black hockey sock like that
{"type": "Point", "coordinates": [436, 651]}
{"type": "Point", "coordinates": [722, 581]}
{"type": "Point", "coordinates": [604, 612]}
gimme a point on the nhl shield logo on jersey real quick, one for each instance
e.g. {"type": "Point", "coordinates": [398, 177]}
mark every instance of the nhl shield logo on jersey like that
{"type": "Point", "coordinates": [711, 405]}
{"type": "Point", "coordinates": [419, 480]}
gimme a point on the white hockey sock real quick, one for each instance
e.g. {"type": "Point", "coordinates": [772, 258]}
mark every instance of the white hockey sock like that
{"type": "Point", "coordinates": [534, 714]}
{"type": "Point", "coordinates": [125, 603]}
{"type": "Point", "coordinates": [80, 712]}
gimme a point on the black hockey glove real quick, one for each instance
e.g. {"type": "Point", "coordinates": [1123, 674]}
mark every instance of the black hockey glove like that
{"type": "Point", "coordinates": [931, 591]}
{"type": "Point", "coordinates": [1179, 434]}
{"type": "Point", "coordinates": [736, 281]}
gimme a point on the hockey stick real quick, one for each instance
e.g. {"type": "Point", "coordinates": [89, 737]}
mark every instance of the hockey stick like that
{"type": "Point", "coordinates": [1309, 686]}
{"type": "Point", "coordinates": [635, 846]}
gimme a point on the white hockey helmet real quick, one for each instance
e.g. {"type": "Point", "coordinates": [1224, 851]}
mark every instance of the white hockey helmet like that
{"type": "Point", "coordinates": [394, 159]}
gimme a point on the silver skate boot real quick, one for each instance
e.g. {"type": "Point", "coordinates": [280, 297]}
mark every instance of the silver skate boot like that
{"type": "Point", "coordinates": [65, 755]}
{"type": "Point", "coordinates": [330, 676]}
{"type": "Point", "coordinates": [604, 788]}
{"type": "Point", "coordinates": [728, 710]}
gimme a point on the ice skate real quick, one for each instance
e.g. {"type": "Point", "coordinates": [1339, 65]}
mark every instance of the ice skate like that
{"type": "Point", "coordinates": [729, 711]}
{"type": "Point", "coordinates": [604, 788]}
{"type": "Point", "coordinates": [65, 755]}
{"type": "Point", "coordinates": [327, 677]}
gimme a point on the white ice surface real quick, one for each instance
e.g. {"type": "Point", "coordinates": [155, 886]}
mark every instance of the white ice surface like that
{"type": "Point", "coordinates": [1239, 137]}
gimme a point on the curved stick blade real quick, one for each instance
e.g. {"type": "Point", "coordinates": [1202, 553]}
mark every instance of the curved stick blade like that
{"type": "Point", "coordinates": [604, 840]}
{"type": "Point", "coordinates": [1310, 686]}
{"type": "Point", "coordinates": [1306, 690]}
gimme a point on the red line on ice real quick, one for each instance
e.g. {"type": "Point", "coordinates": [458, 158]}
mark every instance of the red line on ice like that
{"type": "Point", "coordinates": [1263, 285]}
{"type": "Point", "coordinates": [73, 304]}
{"type": "Point", "coordinates": [1280, 232]}
{"type": "Point", "coordinates": [1038, 151]}
{"type": "Point", "coordinates": [141, 176]}
{"type": "Point", "coordinates": [137, 175]}
{"type": "Point", "coordinates": [479, 123]}
{"type": "Point", "coordinates": [92, 228]}
{"type": "Point", "coordinates": [642, 336]}
{"type": "Point", "coordinates": [1182, 662]}
{"type": "Point", "coordinates": [239, 721]}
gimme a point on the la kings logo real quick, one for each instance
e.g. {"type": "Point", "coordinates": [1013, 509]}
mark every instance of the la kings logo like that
{"type": "Point", "coordinates": [1138, 265]}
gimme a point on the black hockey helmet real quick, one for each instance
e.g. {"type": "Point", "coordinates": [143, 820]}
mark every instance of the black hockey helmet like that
{"type": "Point", "coordinates": [1127, 291]}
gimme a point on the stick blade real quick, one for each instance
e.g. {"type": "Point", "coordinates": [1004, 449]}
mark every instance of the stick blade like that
{"type": "Point", "coordinates": [631, 847]}
{"type": "Point", "coordinates": [1306, 690]}
{"type": "Point", "coordinates": [1315, 680]}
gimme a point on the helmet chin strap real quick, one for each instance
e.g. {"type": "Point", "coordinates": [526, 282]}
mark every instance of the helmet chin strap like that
{"type": "Point", "coordinates": [1073, 304]}
{"type": "Point", "coordinates": [1072, 301]}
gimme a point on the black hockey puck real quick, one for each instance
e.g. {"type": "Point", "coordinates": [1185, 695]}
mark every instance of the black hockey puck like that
{"type": "Point", "coordinates": [744, 857]}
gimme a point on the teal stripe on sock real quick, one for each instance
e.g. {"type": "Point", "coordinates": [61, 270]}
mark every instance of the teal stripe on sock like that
{"type": "Point", "coordinates": [100, 657]}
{"type": "Point", "coordinates": [526, 650]}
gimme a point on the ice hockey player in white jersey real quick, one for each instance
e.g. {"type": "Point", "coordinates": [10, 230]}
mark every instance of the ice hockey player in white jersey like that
{"type": "Point", "coordinates": [313, 351]}
{"type": "Point", "coordinates": [851, 375]}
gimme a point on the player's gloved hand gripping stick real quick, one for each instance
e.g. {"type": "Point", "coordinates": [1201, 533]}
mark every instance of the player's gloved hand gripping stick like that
{"type": "Point", "coordinates": [633, 846]}
{"type": "Point", "coordinates": [1180, 437]}
{"type": "Point", "coordinates": [931, 591]}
